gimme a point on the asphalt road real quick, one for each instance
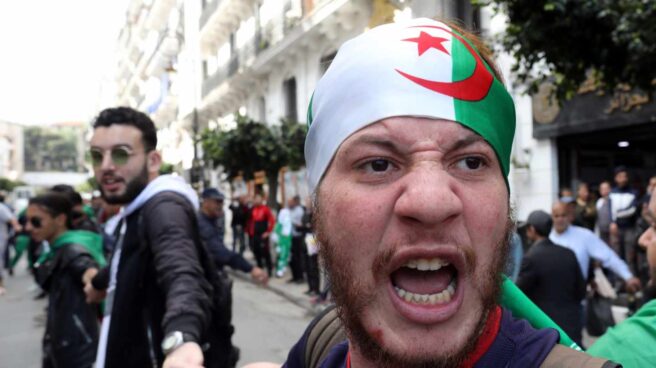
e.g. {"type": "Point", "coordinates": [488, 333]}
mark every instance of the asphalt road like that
{"type": "Point", "coordinates": [21, 322]}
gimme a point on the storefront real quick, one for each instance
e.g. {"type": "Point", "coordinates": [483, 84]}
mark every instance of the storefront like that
{"type": "Point", "coordinates": [594, 133]}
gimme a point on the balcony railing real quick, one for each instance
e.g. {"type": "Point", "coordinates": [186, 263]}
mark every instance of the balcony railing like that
{"type": "Point", "coordinates": [229, 69]}
{"type": "Point", "coordinates": [207, 11]}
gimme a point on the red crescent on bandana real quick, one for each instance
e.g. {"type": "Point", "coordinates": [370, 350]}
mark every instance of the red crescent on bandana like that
{"type": "Point", "coordinates": [473, 88]}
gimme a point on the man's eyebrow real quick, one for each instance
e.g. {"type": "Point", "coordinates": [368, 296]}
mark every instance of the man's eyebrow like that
{"type": "Point", "coordinates": [390, 145]}
{"type": "Point", "coordinates": [120, 145]}
{"type": "Point", "coordinates": [466, 141]}
{"type": "Point", "coordinates": [375, 141]}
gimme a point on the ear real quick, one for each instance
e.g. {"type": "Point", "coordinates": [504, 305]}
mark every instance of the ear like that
{"type": "Point", "coordinates": [60, 220]}
{"type": "Point", "coordinates": [153, 163]}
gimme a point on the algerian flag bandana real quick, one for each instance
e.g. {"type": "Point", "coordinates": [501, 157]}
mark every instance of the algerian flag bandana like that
{"type": "Point", "coordinates": [419, 68]}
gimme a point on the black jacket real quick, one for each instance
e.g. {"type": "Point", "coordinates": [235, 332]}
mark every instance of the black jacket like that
{"type": "Point", "coordinates": [71, 332]}
{"type": "Point", "coordinates": [551, 277]}
{"type": "Point", "coordinates": [161, 284]}
{"type": "Point", "coordinates": [211, 233]}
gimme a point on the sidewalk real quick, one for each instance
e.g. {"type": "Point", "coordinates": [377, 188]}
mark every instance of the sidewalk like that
{"type": "Point", "coordinates": [295, 293]}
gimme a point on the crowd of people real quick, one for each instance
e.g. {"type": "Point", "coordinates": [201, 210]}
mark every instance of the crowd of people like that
{"type": "Point", "coordinates": [588, 240]}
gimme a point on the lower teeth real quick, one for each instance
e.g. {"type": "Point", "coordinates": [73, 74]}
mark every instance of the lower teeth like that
{"type": "Point", "coordinates": [439, 298]}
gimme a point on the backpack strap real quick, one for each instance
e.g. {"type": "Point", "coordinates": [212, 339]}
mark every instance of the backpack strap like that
{"type": "Point", "coordinates": [324, 332]}
{"type": "Point", "coordinates": [562, 357]}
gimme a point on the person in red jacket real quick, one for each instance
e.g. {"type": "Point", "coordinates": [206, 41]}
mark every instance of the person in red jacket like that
{"type": "Point", "coordinates": [260, 226]}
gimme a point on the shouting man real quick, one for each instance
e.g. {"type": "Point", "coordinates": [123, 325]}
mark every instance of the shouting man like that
{"type": "Point", "coordinates": [408, 152]}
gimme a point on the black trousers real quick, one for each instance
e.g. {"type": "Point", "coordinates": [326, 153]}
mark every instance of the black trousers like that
{"type": "Point", "coordinates": [262, 252]}
{"type": "Point", "coordinates": [313, 273]}
{"type": "Point", "coordinates": [297, 263]}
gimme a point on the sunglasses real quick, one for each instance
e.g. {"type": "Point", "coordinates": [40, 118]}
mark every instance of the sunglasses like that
{"type": "Point", "coordinates": [119, 156]}
{"type": "Point", "coordinates": [35, 222]}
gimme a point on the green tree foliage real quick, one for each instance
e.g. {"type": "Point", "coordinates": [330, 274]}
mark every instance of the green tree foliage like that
{"type": "Point", "coordinates": [8, 185]}
{"type": "Point", "coordinates": [166, 168]}
{"type": "Point", "coordinates": [614, 40]}
{"type": "Point", "coordinates": [51, 149]}
{"type": "Point", "coordinates": [253, 146]}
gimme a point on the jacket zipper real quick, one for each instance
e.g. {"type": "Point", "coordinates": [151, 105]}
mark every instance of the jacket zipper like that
{"type": "Point", "coordinates": [80, 326]}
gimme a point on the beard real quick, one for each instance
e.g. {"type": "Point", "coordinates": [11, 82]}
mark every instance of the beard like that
{"type": "Point", "coordinates": [132, 189]}
{"type": "Point", "coordinates": [353, 297]}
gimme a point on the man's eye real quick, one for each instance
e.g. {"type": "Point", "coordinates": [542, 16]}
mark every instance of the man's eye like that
{"type": "Point", "coordinates": [471, 163]}
{"type": "Point", "coordinates": [379, 165]}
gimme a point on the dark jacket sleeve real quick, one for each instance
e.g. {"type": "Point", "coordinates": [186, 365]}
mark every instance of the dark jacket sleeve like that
{"type": "Point", "coordinates": [170, 228]}
{"type": "Point", "coordinates": [526, 280]}
{"type": "Point", "coordinates": [221, 255]}
{"type": "Point", "coordinates": [77, 261]}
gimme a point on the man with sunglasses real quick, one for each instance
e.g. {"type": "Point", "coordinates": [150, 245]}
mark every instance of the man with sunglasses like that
{"type": "Point", "coordinates": [158, 305]}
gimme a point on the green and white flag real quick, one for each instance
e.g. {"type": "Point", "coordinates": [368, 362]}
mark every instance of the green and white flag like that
{"type": "Point", "coordinates": [420, 68]}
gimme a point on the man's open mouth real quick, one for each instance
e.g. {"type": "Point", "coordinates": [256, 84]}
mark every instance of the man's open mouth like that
{"type": "Point", "coordinates": [425, 281]}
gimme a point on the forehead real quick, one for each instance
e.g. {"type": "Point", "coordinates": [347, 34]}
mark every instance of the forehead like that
{"type": "Point", "coordinates": [36, 210]}
{"type": "Point", "coordinates": [117, 135]}
{"type": "Point", "coordinates": [559, 209]}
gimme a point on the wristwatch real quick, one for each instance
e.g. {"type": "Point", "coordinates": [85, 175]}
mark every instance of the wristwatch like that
{"type": "Point", "coordinates": [174, 339]}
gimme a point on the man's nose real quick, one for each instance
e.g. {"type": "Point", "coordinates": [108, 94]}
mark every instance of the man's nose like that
{"type": "Point", "coordinates": [106, 163]}
{"type": "Point", "coordinates": [429, 195]}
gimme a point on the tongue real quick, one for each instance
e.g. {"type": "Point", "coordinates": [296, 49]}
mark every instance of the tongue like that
{"type": "Point", "coordinates": [423, 282]}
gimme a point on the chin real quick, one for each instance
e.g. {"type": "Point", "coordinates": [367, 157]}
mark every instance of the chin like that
{"type": "Point", "coordinates": [443, 343]}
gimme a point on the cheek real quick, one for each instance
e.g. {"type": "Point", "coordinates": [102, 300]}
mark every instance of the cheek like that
{"type": "Point", "coordinates": [487, 214]}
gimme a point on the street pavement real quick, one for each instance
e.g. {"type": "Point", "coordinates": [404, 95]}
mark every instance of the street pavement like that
{"type": "Point", "coordinates": [21, 322]}
{"type": "Point", "coordinates": [266, 324]}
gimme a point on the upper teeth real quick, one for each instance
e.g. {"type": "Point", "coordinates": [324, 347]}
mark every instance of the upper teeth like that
{"type": "Point", "coordinates": [424, 264]}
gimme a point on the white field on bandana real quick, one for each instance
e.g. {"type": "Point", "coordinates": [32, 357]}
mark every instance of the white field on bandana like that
{"type": "Point", "coordinates": [363, 86]}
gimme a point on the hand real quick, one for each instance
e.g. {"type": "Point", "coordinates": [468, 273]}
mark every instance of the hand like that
{"type": "Point", "coordinates": [265, 235]}
{"type": "Point", "coordinates": [88, 275]}
{"type": "Point", "coordinates": [93, 295]}
{"type": "Point", "coordinates": [614, 230]}
{"type": "Point", "coordinates": [188, 355]}
{"type": "Point", "coordinates": [633, 285]}
{"type": "Point", "coordinates": [259, 276]}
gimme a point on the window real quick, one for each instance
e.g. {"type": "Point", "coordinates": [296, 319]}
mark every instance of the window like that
{"type": "Point", "coordinates": [262, 109]}
{"type": "Point", "coordinates": [289, 88]}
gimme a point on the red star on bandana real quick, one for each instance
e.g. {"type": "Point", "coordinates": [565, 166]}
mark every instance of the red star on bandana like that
{"type": "Point", "coordinates": [426, 42]}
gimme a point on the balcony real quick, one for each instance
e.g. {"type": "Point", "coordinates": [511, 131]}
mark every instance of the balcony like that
{"type": "Point", "coordinates": [240, 58]}
{"type": "Point", "coordinates": [207, 11]}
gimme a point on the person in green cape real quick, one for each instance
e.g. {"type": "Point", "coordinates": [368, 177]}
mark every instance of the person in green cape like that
{"type": "Point", "coordinates": [283, 238]}
{"type": "Point", "coordinates": [71, 333]}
